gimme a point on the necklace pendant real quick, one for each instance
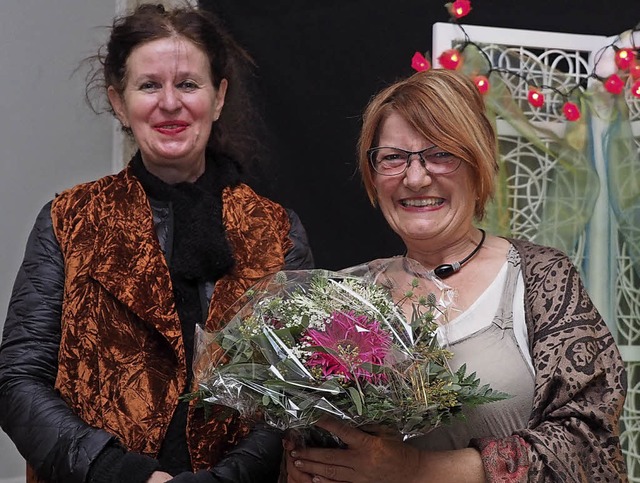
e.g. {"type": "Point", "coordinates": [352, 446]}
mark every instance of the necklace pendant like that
{"type": "Point", "coordinates": [446, 270]}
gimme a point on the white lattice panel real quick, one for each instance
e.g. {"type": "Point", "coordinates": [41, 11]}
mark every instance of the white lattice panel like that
{"type": "Point", "coordinates": [564, 61]}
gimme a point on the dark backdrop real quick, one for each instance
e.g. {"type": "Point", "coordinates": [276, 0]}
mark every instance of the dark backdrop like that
{"type": "Point", "coordinates": [319, 63]}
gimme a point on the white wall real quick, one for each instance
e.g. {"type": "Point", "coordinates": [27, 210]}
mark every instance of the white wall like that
{"type": "Point", "coordinates": [49, 138]}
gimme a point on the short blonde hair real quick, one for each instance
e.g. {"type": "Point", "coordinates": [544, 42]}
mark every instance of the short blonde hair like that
{"type": "Point", "coordinates": [446, 108]}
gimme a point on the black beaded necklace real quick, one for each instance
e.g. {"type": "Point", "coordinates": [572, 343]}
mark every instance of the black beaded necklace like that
{"type": "Point", "coordinates": [447, 269]}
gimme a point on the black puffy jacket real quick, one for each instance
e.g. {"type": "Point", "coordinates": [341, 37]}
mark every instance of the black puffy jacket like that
{"type": "Point", "coordinates": [55, 442]}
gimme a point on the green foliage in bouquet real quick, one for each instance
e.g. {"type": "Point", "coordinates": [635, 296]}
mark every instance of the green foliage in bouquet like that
{"type": "Point", "coordinates": [306, 343]}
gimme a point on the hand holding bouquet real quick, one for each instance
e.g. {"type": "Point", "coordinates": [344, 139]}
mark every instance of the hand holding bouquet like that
{"type": "Point", "coordinates": [359, 344]}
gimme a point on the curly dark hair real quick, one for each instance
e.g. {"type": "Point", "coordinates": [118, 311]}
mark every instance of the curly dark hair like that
{"type": "Point", "coordinates": [237, 132]}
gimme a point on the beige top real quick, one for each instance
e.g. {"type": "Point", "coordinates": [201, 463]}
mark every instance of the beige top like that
{"type": "Point", "coordinates": [494, 354]}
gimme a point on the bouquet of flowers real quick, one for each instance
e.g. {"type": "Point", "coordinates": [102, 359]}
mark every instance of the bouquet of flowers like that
{"type": "Point", "coordinates": [360, 344]}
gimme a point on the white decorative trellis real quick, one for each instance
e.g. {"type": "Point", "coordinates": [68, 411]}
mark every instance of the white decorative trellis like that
{"type": "Point", "coordinates": [598, 249]}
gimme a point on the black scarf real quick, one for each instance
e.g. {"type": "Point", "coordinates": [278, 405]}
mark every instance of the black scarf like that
{"type": "Point", "coordinates": [200, 248]}
{"type": "Point", "coordinates": [200, 253]}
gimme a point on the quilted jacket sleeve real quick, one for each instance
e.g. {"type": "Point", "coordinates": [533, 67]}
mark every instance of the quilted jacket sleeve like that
{"type": "Point", "coordinates": [300, 256]}
{"type": "Point", "coordinates": [255, 458]}
{"type": "Point", "coordinates": [56, 444]}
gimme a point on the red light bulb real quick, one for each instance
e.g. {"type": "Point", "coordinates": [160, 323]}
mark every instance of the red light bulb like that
{"type": "Point", "coordinates": [482, 83]}
{"type": "Point", "coordinates": [624, 58]}
{"type": "Point", "coordinates": [634, 70]}
{"type": "Point", "coordinates": [460, 8]}
{"type": "Point", "coordinates": [450, 59]}
{"type": "Point", "coordinates": [535, 97]}
{"type": "Point", "coordinates": [614, 84]}
{"type": "Point", "coordinates": [571, 111]}
{"type": "Point", "coordinates": [635, 89]}
{"type": "Point", "coordinates": [419, 62]}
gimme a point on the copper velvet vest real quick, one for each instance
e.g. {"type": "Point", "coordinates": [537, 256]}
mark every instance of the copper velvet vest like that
{"type": "Point", "coordinates": [122, 362]}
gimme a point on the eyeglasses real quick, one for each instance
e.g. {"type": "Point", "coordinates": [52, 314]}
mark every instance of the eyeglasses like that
{"type": "Point", "coordinates": [389, 161]}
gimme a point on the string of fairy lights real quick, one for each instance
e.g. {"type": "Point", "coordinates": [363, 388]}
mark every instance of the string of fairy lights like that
{"type": "Point", "coordinates": [627, 61]}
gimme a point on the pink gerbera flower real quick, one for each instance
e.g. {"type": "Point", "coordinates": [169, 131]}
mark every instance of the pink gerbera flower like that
{"type": "Point", "coordinates": [351, 341]}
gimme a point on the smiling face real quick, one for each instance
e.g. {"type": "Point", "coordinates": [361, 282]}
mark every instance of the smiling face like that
{"type": "Point", "coordinates": [419, 206]}
{"type": "Point", "coordinates": [170, 103]}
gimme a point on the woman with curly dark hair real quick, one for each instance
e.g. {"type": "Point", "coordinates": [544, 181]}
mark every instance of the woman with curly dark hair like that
{"type": "Point", "coordinates": [119, 272]}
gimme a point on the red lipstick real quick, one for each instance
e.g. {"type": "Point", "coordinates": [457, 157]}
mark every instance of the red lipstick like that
{"type": "Point", "coordinates": [171, 127]}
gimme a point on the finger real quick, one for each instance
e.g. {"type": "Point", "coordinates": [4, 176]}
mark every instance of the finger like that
{"type": "Point", "coordinates": [288, 445]}
{"type": "Point", "coordinates": [319, 455]}
{"type": "Point", "coordinates": [325, 472]}
{"type": "Point", "coordinates": [294, 474]}
{"type": "Point", "coordinates": [351, 436]}
{"type": "Point", "coordinates": [381, 431]}
{"type": "Point", "coordinates": [320, 479]}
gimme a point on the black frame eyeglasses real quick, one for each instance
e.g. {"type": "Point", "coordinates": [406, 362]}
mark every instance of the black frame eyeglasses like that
{"type": "Point", "coordinates": [390, 161]}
